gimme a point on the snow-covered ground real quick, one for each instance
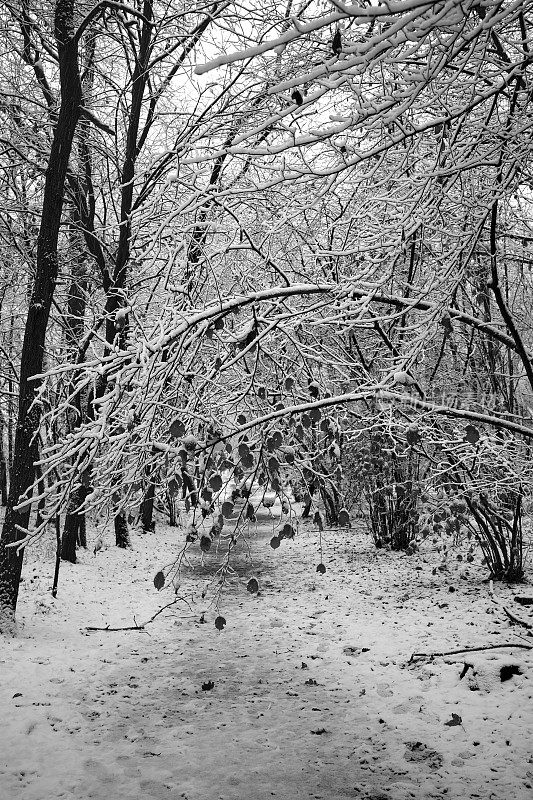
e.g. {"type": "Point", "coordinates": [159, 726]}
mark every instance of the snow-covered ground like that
{"type": "Point", "coordinates": [308, 691]}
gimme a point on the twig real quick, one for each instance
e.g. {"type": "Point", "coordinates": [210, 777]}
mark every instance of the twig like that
{"type": "Point", "coordinates": [144, 624]}
{"type": "Point", "coordinates": [127, 628]}
{"type": "Point", "coordinates": [173, 602]}
{"type": "Point", "coordinates": [512, 617]}
{"type": "Point", "coordinates": [421, 656]}
{"type": "Point", "coordinates": [518, 621]}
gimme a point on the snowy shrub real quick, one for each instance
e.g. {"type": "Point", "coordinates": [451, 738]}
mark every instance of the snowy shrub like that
{"type": "Point", "coordinates": [386, 480]}
{"type": "Point", "coordinates": [496, 526]}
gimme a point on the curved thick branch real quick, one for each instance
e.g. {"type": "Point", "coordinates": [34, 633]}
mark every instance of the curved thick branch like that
{"type": "Point", "coordinates": [378, 392]}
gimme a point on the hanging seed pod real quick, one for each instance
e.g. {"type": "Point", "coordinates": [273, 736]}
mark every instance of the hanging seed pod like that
{"type": "Point", "coordinates": [227, 509]}
{"type": "Point", "coordinates": [215, 482]}
{"type": "Point", "coordinates": [297, 97]}
{"type": "Point", "coordinates": [177, 429]}
{"type": "Point", "coordinates": [471, 434]}
{"type": "Point", "coordinates": [314, 389]}
{"type": "Point", "coordinates": [336, 44]}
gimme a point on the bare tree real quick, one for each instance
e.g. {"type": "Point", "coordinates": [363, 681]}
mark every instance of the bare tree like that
{"type": "Point", "coordinates": [46, 270]}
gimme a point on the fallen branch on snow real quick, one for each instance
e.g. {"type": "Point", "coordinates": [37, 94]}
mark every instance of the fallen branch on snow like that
{"type": "Point", "coordinates": [126, 628]}
{"type": "Point", "coordinates": [429, 656]}
{"type": "Point", "coordinates": [143, 625]}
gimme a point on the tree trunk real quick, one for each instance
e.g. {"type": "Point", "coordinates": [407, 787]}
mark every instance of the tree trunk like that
{"type": "Point", "coordinates": [74, 334]}
{"type": "Point", "coordinates": [147, 507]}
{"type": "Point", "coordinates": [173, 510]}
{"type": "Point", "coordinates": [46, 271]}
{"type": "Point", "coordinates": [73, 521]}
{"type": "Point", "coordinates": [75, 525]}
{"type": "Point", "coordinates": [69, 539]}
{"type": "Point", "coordinates": [3, 469]}
{"type": "Point", "coordinates": [122, 533]}
{"type": "Point", "coordinates": [82, 532]}
{"type": "Point", "coordinates": [10, 407]}
{"type": "Point", "coordinates": [115, 291]}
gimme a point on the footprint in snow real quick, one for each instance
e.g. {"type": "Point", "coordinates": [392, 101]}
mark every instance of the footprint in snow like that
{"type": "Point", "coordinates": [422, 754]}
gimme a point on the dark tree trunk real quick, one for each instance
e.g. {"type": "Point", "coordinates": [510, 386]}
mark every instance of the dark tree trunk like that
{"type": "Point", "coordinates": [69, 539]}
{"type": "Point", "coordinates": [147, 507]}
{"type": "Point", "coordinates": [10, 406]}
{"type": "Point", "coordinates": [3, 469]}
{"type": "Point", "coordinates": [82, 220]}
{"type": "Point", "coordinates": [46, 271]}
{"type": "Point", "coordinates": [74, 334]}
{"type": "Point", "coordinates": [307, 507]}
{"type": "Point", "coordinates": [122, 533]}
{"type": "Point", "coordinates": [173, 510]}
{"type": "Point", "coordinates": [82, 532]}
{"type": "Point", "coordinates": [73, 521]}
{"type": "Point", "coordinates": [116, 285]}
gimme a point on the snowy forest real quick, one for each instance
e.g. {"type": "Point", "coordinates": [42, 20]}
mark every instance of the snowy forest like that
{"type": "Point", "coordinates": [266, 373]}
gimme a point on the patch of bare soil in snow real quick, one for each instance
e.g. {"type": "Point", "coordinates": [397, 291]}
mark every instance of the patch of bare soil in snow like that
{"type": "Point", "coordinates": [307, 692]}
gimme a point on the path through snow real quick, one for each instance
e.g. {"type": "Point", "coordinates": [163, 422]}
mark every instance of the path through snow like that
{"type": "Point", "coordinates": [313, 696]}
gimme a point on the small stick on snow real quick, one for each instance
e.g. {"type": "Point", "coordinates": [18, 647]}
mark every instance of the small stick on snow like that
{"type": "Point", "coordinates": [127, 628]}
